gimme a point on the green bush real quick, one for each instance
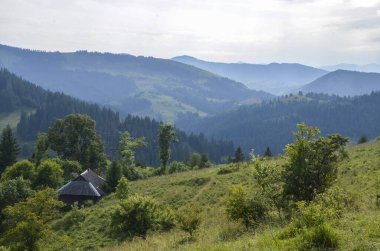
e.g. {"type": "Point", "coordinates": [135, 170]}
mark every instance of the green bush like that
{"type": "Point", "coordinates": [240, 207]}
{"type": "Point", "coordinates": [122, 189]}
{"type": "Point", "coordinates": [321, 237]}
{"type": "Point", "coordinates": [23, 168]}
{"type": "Point", "coordinates": [176, 167]}
{"type": "Point", "coordinates": [189, 220]}
{"type": "Point", "coordinates": [72, 218]}
{"type": "Point", "coordinates": [49, 174]}
{"type": "Point", "coordinates": [137, 215]}
{"type": "Point", "coordinates": [228, 169]}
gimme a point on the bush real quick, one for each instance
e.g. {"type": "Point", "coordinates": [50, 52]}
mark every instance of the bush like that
{"type": "Point", "coordinates": [240, 207]}
{"type": "Point", "coordinates": [137, 215]}
{"type": "Point", "coordinates": [176, 167]}
{"type": "Point", "coordinates": [13, 191]}
{"type": "Point", "coordinates": [49, 174]}
{"type": "Point", "coordinates": [228, 169]}
{"type": "Point", "coordinates": [189, 220]}
{"type": "Point", "coordinates": [72, 218]}
{"type": "Point", "coordinates": [322, 237]}
{"type": "Point", "coordinates": [122, 189]}
{"type": "Point", "coordinates": [23, 168]}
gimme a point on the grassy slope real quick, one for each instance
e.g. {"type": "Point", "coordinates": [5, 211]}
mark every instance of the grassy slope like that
{"type": "Point", "coordinates": [206, 189]}
{"type": "Point", "coordinates": [12, 118]}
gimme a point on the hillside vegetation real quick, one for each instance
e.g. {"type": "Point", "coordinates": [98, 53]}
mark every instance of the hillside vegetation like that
{"type": "Point", "coordinates": [356, 228]}
{"type": "Point", "coordinates": [145, 86]}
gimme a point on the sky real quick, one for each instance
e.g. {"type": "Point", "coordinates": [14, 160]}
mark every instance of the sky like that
{"type": "Point", "coordinates": [313, 32]}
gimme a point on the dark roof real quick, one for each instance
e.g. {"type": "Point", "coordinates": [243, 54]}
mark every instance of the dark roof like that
{"type": "Point", "coordinates": [79, 187]}
{"type": "Point", "coordinates": [87, 183]}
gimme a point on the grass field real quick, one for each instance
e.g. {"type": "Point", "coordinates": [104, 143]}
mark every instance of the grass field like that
{"type": "Point", "coordinates": [358, 229]}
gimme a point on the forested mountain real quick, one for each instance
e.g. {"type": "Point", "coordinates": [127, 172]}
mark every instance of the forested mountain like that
{"type": "Point", "coordinates": [273, 78]}
{"type": "Point", "coordinates": [149, 86]}
{"type": "Point", "coordinates": [46, 106]}
{"type": "Point", "coordinates": [353, 67]}
{"type": "Point", "coordinates": [271, 124]}
{"type": "Point", "coordinates": [345, 83]}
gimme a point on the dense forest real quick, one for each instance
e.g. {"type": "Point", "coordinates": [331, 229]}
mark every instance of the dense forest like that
{"type": "Point", "coordinates": [47, 106]}
{"type": "Point", "coordinates": [271, 123]}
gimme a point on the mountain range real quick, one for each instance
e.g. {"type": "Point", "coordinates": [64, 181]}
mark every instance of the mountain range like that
{"type": "Point", "coordinates": [353, 67]}
{"type": "Point", "coordinates": [160, 88]}
{"type": "Point", "coordinates": [274, 78]}
{"type": "Point", "coordinates": [344, 83]}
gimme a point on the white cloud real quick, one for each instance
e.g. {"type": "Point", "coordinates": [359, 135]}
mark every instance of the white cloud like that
{"type": "Point", "coordinates": [306, 31]}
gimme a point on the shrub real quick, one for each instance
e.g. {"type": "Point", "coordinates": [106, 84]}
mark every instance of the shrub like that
{"type": "Point", "coordinates": [189, 220]}
{"type": "Point", "coordinates": [13, 191]}
{"type": "Point", "coordinates": [122, 188]}
{"type": "Point", "coordinates": [137, 215]}
{"type": "Point", "coordinates": [49, 174]}
{"type": "Point", "coordinates": [322, 237]}
{"type": "Point", "coordinates": [23, 168]}
{"type": "Point", "coordinates": [176, 167]}
{"type": "Point", "coordinates": [230, 231]}
{"type": "Point", "coordinates": [73, 218]}
{"type": "Point", "coordinates": [228, 169]}
{"type": "Point", "coordinates": [240, 207]}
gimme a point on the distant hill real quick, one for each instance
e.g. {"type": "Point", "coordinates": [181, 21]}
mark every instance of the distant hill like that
{"type": "Point", "coordinates": [271, 124]}
{"type": "Point", "coordinates": [34, 109]}
{"type": "Point", "coordinates": [345, 83]}
{"type": "Point", "coordinates": [353, 67]}
{"type": "Point", "coordinates": [146, 86]}
{"type": "Point", "coordinates": [273, 78]}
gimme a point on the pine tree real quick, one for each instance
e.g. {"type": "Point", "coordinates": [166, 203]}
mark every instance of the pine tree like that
{"type": "Point", "coordinates": [239, 156]}
{"type": "Point", "coordinates": [114, 174]}
{"type": "Point", "coordinates": [268, 152]}
{"type": "Point", "coordinates": [166, 136]}
{"type": "Point", "coordinates": [9, 149]}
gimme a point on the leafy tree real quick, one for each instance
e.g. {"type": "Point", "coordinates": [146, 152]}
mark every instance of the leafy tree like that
{"type": "Point", "coordinates": [113, 175]}
{"type": "Point", "coordinates": [137, 214]}
{"type": "Point", "coordinates": [9, 148]}
{"type": "Point", "coordinates": [13, 191]}
{"type": "Point", "coordinates": [49, 174]}
{"type": "Point", "coordinates": [268, 152]}
{"type": "Point", "coordinates": [23, 168]}
{"type": "Point", "coordinates": [189, 220]}
{"type": "Point", "coordinates": [240, 207]}
{"type": "Point", "coordinates": [194, 160]}
{"type": "Point", "coordinates": [204, 161]}
{"type": "Point", "coordinates": [122, 189]}
{"type": "Point", "coordinates": [26, 223]}
{"type": "Point", "coordinates": [127, 148]}
{"type": "Point", "coordinates": [362, 139]}
{"type": "Point", "coordinates": [41, 147]}
{"type": "Point", "coordinates": [166, 136]}
{"type": "Point", "coordinates": [75, 138]}
{"type": "Point", "coordinates": [239, 156]}
{"type": "Point", "coordinates": [71, 168]}
{"type": "Point", "coordinates": [311, 163]}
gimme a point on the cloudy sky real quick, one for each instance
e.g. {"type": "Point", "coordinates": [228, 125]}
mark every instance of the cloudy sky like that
{"type": "Point", "coordinates": [319, 32]}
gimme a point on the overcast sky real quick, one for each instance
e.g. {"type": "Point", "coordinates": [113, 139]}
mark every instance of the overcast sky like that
{"type": "Point", "coordinates": [318, 32]}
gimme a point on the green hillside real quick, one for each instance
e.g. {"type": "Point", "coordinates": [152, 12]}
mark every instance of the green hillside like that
{"type": "Point", "coordinates": [357, 228]}
{"type": "Point", "coordinates": [147, 86]}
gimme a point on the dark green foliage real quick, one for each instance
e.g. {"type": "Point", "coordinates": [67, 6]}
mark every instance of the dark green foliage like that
{"type": "Point", "coordinates": [311, 163]}
{"type": "Point", "coordinates": [166, 136]}
{"type": "Point", "coordinates": [204, 161]}
{"type": "Point", "coordinates": [239, 156]}
{"type": "Point", "coordinates": [9, 148]}
{"type": "Point", "coordinates": [16, 94]}
{"type": "Point", "coordinates": [228, 169]}
{"type": "Point", "coordinates": [189, 220]}
{"type": "Point", "coordinates": [268, 152]}
{"type": "Point", "coordinates": [72, 219]}
{"type": "Point", "coordinates": [23, 168]}
{"type": "Point", "coordinates": [177, 167]}
{"type": "Point", "coordinates": [26, 223]}
{"type": "Point", "coordinates": [271, 123]}
{"type": "Point", "coordinates": [122, 189]}
{"type": "Point", "coordinates": [242, 208]}
{"type": "Point", "coordinates": [41, 148]}
{"type": "Point", "coordinates": [194, 160]}
{"type": "Point", "coordinates": [75, 138]}
{"type": "Point", "coordinates": [362, 139]}
{"type": "Point", "coordinates": [71, 168]}
{"type": "Point", "coordinates": [49, 174]}
{"type": "Point", "coordinates": [13, 191]}
{"type": "Point", "coordinates": [113, 175]}
{"type": "Point", "coordinates": [137, 215]}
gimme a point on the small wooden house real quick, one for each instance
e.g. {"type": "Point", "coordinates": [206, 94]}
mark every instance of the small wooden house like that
{"type": "Point", "coordinates": [87, 186]}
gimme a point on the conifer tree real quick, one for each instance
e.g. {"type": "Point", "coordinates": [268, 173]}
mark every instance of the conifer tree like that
{"type": "Point", "coordinates": [268, 152]}
{"type": "Point", "coordinates": [239, 156]}
{"type": "Point", "coordinates": [9, 149]}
